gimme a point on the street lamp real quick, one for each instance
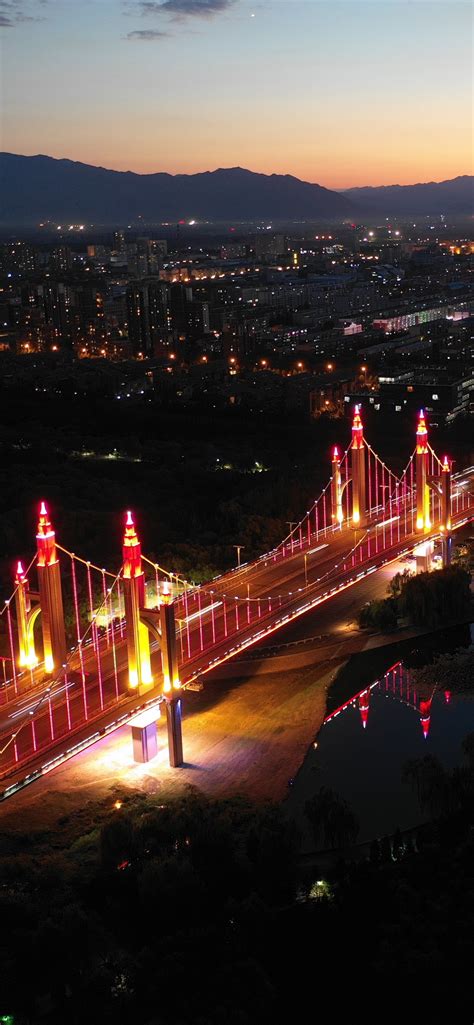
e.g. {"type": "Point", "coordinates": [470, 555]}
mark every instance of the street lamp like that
{"type": "Point", "coordinates": [305, 569]}
{"type": "Point", "coordinates": [239, 549]}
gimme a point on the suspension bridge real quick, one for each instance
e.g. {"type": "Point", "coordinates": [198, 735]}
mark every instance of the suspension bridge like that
{"type": "Point", "coordinates": [86, 648]}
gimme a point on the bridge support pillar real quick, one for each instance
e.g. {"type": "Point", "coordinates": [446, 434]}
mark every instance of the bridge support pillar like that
{"type": "Point", "coordinates": [171, 684]}
{"type": "Point", "coordinates": [50, 595]}
{"type": "Point", "coordinates": [358, 473]}
{"type": "Point", "coordinates": [446, 540]}
{"type": "Point", "coordinates": [423, 519]}
{"type": "Point", "coordinates": [25, 620]}
{"type": "Point", "coordinates": [138, 644]}
{"type": "Point", "coordinates": [336, 489]}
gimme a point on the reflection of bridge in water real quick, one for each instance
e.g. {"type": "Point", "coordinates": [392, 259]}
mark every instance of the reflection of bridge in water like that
{"type": "Point", "coordinates": [397, 683]}
{"type": "Point", "coordinates": [88, 647]}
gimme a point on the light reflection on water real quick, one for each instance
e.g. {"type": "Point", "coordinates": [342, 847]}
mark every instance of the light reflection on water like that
{"type": "Point", "coordinates": [363, 763]}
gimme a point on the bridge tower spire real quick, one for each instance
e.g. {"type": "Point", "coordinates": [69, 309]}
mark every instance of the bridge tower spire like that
{"type": "Point", "coordinates": [25, 620]}
{"type": "Point", "coordinates": [171, 683]}
{"type": "Point", "coordinates": [425, 716]}
{"type": "Point", "coordinates": [364, 705]}
{"type": "Point", "coordinates": [423, 521]}
{"type": "Point", "coordinates": [50, 594]}
{"type": "Point", "coordinates": [138, 644]}
{"type": "Point", "coordinates": [358, 472]}
{"type": "Point", "coordinates": [336, 488]}
{"type": "Point", "coordinates": [446, 511]}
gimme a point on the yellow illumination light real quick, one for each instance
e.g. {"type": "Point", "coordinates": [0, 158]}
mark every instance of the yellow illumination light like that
{"type": "Point", "coordinates": [48, 663]}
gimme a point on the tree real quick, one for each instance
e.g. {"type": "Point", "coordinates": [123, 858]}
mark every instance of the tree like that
{"type": "Point", "coordinates": [331, 818]}
{"type": "Point", "coordinates": [380, 614]}
{"type": "Point", "coordinates": [436, 598]}
{"type": "Point", "coordinates": [397, 583]}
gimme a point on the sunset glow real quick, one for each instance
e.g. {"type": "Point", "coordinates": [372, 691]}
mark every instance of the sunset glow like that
{"type": "Point", "coordinates": [133, 87]}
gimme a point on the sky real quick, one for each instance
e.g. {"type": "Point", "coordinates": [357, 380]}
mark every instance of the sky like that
{"type": "Point", "coordinates": [339, 93]}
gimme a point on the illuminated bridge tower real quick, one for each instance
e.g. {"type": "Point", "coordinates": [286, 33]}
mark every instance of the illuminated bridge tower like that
{"type": "Point", "coordinates": [50, 595]}
{"type": "Point", "coordinates": [336, 488]}
{"type": "Point", "coordinates": [138, 644]}
{"type": "Point", "coordinates": [171, 684]}
{"type": "Point", "coordinates": [445, 525]}
{"type": "Point", "coordinates": [358, 472]}
{"type": "Point", "coordinates": [423, 520]}
{"type": "Point", "coordinates": [26, 615]}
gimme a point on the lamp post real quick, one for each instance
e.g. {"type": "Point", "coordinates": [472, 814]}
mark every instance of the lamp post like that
{"type": "Point", "coordinates": [239, 549]}
{"type": "Point", "coordinates": [305, 569]}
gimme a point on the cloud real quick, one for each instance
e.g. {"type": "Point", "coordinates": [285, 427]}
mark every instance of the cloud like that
{"type": "Point", "coordinates": [147, 35]}
{"type": "Point", "coordinates": [11, 13]}
{"type": "Point", "coordinates": [179, 10]}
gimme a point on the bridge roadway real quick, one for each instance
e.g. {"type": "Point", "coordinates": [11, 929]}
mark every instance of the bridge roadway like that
{"type": "Point", "coordinates": [329, 568]}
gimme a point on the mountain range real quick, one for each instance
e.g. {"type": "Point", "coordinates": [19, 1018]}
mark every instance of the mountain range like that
{"type": "Point", "coordinates": [41, 188]}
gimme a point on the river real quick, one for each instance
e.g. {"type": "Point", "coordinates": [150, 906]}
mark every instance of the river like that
{"type": "Point", "coordinates": [374, 724]}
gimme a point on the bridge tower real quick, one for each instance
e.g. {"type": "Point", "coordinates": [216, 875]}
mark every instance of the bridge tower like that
{"type": "Point", "coordinates": [423, 521]}
{"type": "Point", "coordinates": [25, 618]}
{"type": "Point", "coordinates": [358, 472]}
{"type": "Point", "coordinates": [50, 594]}
{"type": "Point", "coordinates": [445, 525]}
{"type": "Point", "coordinates": [336, 488]}
{"type": "Point", "coordinates": [138, 644]}
{"type": "Point", "coordinates": [171, 684]}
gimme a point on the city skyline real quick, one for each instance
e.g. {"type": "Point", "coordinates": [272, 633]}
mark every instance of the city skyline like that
{"type": "Point", "coordinates": [185, 86]}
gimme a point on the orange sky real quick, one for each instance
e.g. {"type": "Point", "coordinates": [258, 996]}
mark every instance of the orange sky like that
{"type": "Point", "coordinates": [346, 93]}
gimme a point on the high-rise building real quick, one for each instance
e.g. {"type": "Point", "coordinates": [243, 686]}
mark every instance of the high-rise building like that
{"type": "Point", "coordinates": [61, 260]}
{"type": "Point", "coordinates": [180, 296]}
{"type": "Point", "coordinates": [269, 245]}
{"type": "Point", "coordinates": [197, 319]}
{"type": "Point", "coordinates": [148, 316]}
{"type": "Point", "coordinates": [18, 257]}
{"type": "Point", "coordinates": [56, 301]}
{"type": "Point", "coordinates": [118, 242]}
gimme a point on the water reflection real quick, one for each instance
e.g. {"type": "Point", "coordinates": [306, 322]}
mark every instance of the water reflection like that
{"type": "Point", "coordinates": [364, 743]}
{"type": "Point", "coordinates": [396, 683]}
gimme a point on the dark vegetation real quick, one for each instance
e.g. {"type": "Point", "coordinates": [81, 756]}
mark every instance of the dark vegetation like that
{"type": "Point", "coordinates": [152, 911]}
{"type": "Point", "coordinates": [453, 671]}
{"type": "Point", "coordinates": [426, 599]}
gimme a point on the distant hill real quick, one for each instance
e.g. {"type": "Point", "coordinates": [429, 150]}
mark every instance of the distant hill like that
{"type": "Point", "coordinates": [40, 188]}
{"type": "Point", "coordinates": [452, 197]}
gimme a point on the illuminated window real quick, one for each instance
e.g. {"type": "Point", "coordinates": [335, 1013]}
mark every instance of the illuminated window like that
{"type": "Point", "coordinates": [435, 396]}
